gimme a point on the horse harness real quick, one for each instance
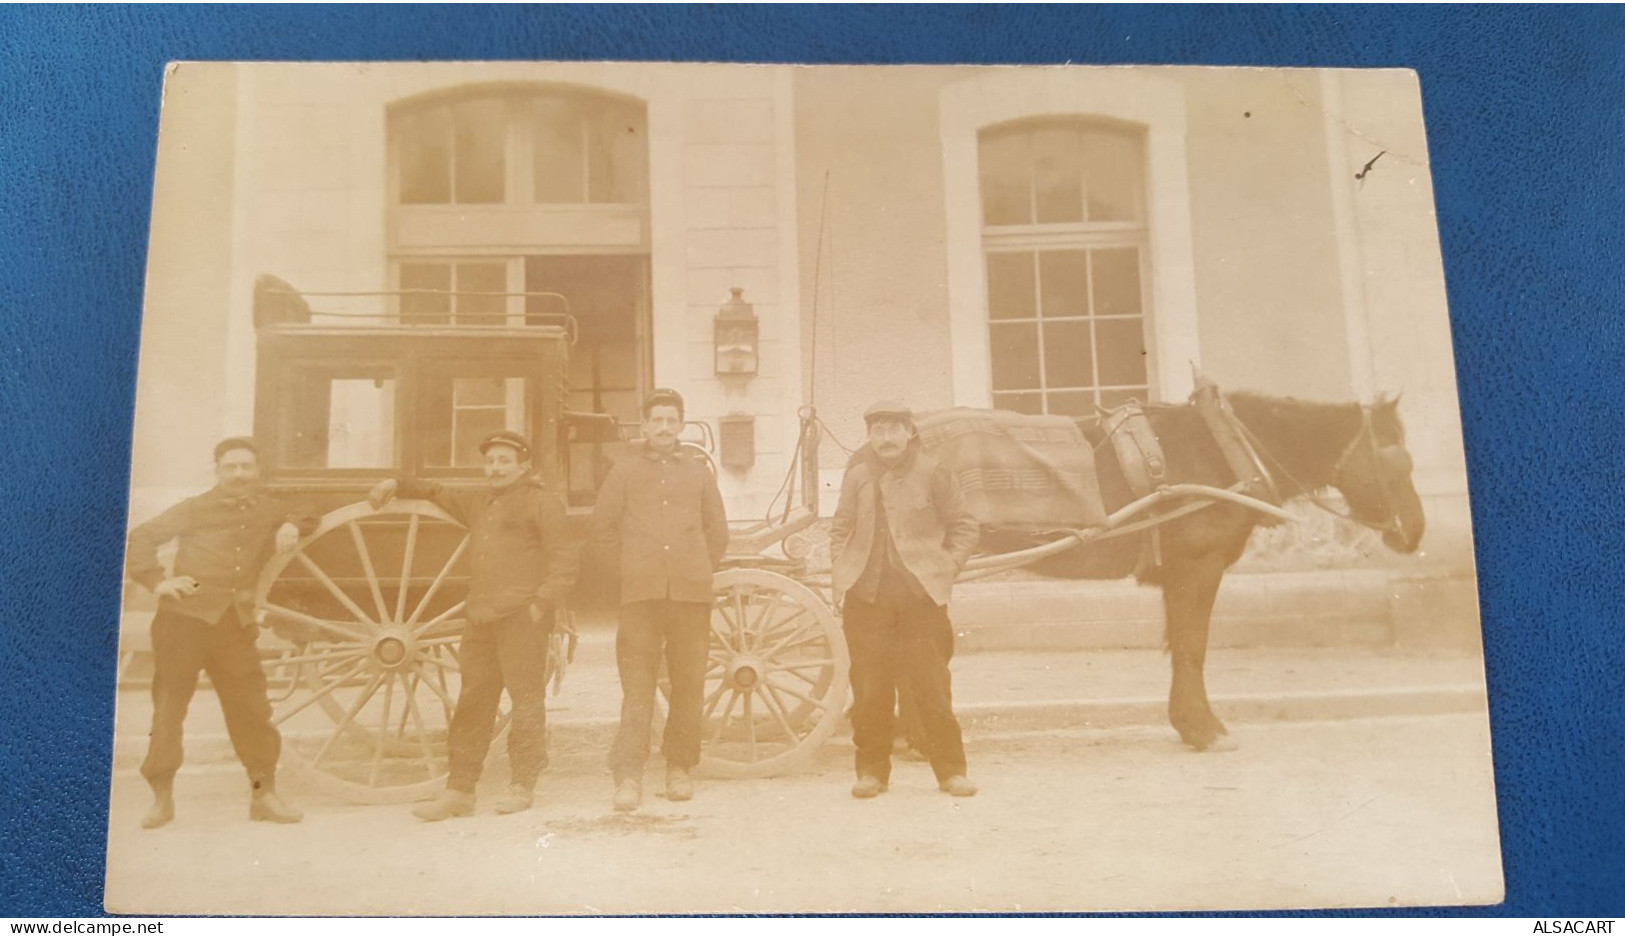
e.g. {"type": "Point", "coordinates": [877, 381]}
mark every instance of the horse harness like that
{"type": "Point", "coordinates": [1140, 458]}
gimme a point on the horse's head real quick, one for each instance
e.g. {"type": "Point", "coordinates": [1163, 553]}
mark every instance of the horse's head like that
{"type": "Point", "coordinates": [1374, 474]}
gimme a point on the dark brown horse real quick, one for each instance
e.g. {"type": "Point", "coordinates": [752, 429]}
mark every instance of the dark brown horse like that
{"type": "Point", "coordinates": [1307, 447]}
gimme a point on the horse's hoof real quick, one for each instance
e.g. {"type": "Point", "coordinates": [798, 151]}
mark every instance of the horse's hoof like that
{"type": "Point", "coordinates": [1215, 745]}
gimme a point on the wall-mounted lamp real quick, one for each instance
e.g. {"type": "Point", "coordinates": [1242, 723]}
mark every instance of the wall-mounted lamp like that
{"type": "Point", "coordinates": [738, 338]}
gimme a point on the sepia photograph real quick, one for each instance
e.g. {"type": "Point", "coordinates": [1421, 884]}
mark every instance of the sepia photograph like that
{"type": "Point", "coordinates": [636, 488]}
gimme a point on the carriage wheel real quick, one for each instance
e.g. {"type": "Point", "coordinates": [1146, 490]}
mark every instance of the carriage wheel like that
{"type": "Point", "coordinates": [776, 681]}
{"type": "Point", "coordinates": [366, 625]}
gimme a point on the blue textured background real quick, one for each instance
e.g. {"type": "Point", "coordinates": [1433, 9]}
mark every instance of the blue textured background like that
{"type": "Point", "coordinates": [1526, 126]}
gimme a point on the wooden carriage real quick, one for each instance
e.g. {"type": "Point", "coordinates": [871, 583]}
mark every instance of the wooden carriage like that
{"type": "Point", "coordinates": [363, 618]}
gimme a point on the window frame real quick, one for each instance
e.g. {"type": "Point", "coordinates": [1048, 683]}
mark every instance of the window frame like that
{"type": "Point", "coordinates": [1037, 238]}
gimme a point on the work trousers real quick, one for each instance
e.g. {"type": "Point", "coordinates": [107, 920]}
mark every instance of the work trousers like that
{"type": "Point", "coordinates": [901, 639]}
{"type": "Point", "coordinates": [681, 632]}
{"type": "Point", "coordinates": [509, 653]}
{"type": "Point", "coordinates": [181, 648]}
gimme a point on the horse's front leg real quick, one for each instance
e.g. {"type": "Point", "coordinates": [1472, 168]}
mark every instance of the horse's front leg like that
{"type": "Point", "coordinates": [1188, 590]}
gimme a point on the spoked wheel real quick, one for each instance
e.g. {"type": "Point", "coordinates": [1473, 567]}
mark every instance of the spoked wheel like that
{"type": "Point", "coordinates": [366, 618]}
{"type": "Point", "coordinates": [776, 682]}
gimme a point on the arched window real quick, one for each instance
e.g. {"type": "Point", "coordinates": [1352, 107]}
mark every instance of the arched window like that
{"type": "Point", "coordinates": [1064, 240]}
{"type": "Point", "coordinates": [531, 147]}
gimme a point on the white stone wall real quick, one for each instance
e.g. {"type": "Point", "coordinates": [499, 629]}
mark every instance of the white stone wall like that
{"type": "Point", "coordinates": [312, 205]}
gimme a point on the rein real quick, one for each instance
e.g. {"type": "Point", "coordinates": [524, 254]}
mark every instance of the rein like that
{"type": "Point", "coordinates": [1368, 435]}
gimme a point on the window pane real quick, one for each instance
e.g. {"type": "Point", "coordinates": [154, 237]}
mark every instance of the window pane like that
{"type": "Point", "coordinates": [482, 142]}
{"type": "Point", "coordinates": [1070, 403]}
{"type": "Point", "coordinates": [1058, 175]}
{"type": "Point", "coordinates": [1030, 403]}
{"type": "Point", "coordinates": [1010, 287]}
{"type": "Point", "coordinates": [425, 293]}
{"type": "Point", "coordinates": [1006, 178]}
{"type": "Point", "coordinates": [1112, 166]}
{"type": "Point", "coordinates": [617, 163]}
{"type": "Point", "coordinates": [1117, 281]}
{"type": "Point", "coordinates": [1064, 275]}
{"type": "Point", "coordinates": [343, 420]}
{"type": "Point", "coordinates": [1111, 399]}
{"type": "Point", "coordinates": [475, 278]}
{"type": "Point", "coordinates": [456, 413]}
{"type": "Point", "coordinates": [1015, 355]}
{"type": "Point", "coordinates": [1068, 355]}
{"type": "Point", "coordinates": [424, 138]}
{"type": "Point", "coordinates": [559, 140]}
{"type": "Point", "coordinates": [479, 391]}
{"type": "Point", "coordinates": [1122, 351]}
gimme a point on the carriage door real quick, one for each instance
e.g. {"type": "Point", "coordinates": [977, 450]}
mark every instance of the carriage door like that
{"type": "Point", "coordinates": [610, 364]}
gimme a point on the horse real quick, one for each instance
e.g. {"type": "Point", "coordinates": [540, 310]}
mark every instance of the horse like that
{"type": "Point", "coordinates": [1307, 447]}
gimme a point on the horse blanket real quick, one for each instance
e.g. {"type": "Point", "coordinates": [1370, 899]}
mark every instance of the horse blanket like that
{"type": "Point", "coordinates": [1017, 472]}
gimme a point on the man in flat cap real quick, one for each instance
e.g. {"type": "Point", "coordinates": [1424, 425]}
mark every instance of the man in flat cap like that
{"type": "Point", "coordinates": [205, 621]}
{"type": "Point", "coordinates": [521, 566]}
{"type": "Point", "coordinates": [660, 526]}
{"type": "Point", "coordinates": [900, 535]}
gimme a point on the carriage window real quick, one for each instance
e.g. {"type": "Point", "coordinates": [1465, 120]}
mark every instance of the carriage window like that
{"type": "Point", "coordinates": [1065, 240]}
{"type": "Point", "coordinates": [457, 412]}
{"type": "Point", "coordinates": [339, 419]}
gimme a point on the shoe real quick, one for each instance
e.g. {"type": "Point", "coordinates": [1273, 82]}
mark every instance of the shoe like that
{"type": "Point", "coordinates": [162, 812]}
{"type": "Point", "coordinates": [679, 788]}
{"type": "Point", "coordinates": [518, 799]}
{"type": "Point", "coordinates": [957, 785]}
{"type": "Point", "coordinates": [628, 795]}
{"type": "Point", "coordinates": [266, 806]}
{"type": "Point", "coordinates": [868, 787]}
{"type": "Point", "coordinates": [448, 804]}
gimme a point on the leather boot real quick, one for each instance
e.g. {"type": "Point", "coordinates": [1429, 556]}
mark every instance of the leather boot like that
{"type": "Point", "coordinates": [518, 799]}
{"type": "Point", "coordinates": [679, 788]}
{"type": "Point", "coordinates": [448, 804]}
{"type": "Point", "coordinates": [868, 787]}
{"type": "Point", "coordinates": [628, 794]}
{"type": "Point", "coordinates": [162, 811]}
{"type": "Point", "coordinates": [266, 806]}
{"type": "Point", "coordinates": [957, 785]}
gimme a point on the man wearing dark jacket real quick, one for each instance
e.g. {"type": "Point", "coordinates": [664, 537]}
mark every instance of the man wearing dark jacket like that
{"type": "Point", "coordinates": [660, 527]}
{"type": "Point", "coordinates": [900, 535]}
{"type": "Point", "coordinates": [205, 621]}
{"type": "Point", "coordinates": [521, 565]}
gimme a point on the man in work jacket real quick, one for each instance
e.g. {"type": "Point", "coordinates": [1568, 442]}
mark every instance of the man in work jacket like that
{"type": "Point", "coordinates": [900, 535]}
{"type": "Point", "coordinates": [205, 621]}
{"type": "Point", "coordinates": [521, 565]}
{"type": "Point", "coordinates": [660, 527]}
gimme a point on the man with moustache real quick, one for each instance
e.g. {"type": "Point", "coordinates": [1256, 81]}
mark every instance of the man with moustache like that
{"type": "Point", "coordinates": [521, 566]}
{"type": "Point", "coordinates": [205, 621]}
{"type": "Point", "coordinates": [659, 524]}
{"type": "Point", "coordinates": [900, 535]}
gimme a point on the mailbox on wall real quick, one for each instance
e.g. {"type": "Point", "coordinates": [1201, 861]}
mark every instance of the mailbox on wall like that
{"type": "Point", "coordinates": [736, 437]}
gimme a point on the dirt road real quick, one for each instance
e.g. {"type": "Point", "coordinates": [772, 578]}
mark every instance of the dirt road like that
{"type": "Point", "coordinates": [1373, 812]}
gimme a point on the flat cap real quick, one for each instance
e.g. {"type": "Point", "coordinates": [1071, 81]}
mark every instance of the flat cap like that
{"type": "Point", "coordinates": [509, 438]}
{"type": "Point", "coordinates": [234, 443]}
{"type": "Point", "coordinates": [888, 409]}
{"type": "Point", "coordinates": [663, 396]}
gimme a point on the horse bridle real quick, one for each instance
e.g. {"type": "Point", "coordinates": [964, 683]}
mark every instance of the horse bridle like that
{"type": "Point", "coordinates": [1368, 435]}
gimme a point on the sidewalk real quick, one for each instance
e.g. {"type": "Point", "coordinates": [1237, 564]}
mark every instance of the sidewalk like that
{"type": "Point", "coordinates": [1002, 691]}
